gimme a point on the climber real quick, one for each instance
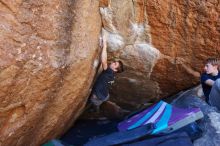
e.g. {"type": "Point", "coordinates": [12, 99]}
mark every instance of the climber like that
{"type": "Point", "coordinates": [100, 91]}
{"type": "Point", "coordinates": [210, 80]}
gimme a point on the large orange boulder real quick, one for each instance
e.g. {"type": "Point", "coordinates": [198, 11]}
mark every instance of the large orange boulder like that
{"type": "Point", "coordinates": [49, 53]}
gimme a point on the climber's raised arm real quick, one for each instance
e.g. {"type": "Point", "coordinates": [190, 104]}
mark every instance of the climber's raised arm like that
{"type": "Point", "coordinates": [104, 53]}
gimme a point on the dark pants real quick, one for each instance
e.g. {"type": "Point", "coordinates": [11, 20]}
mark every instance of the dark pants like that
{"type": "Point", "coordinates": [214, 97]}
{"type": "Point", "coordinates": [96, 102]}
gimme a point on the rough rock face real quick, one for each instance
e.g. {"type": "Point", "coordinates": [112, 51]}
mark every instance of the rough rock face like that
{"type": "Point", "coordinates": [189, 33]}
{"type": "Point", "coordinates": [48, 57]}
{"type": "Point", "coordinates": [160, 42]}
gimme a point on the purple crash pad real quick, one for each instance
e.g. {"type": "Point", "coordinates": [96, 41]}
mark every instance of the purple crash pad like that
{"type": "Point", "coordinates": [166, 117]}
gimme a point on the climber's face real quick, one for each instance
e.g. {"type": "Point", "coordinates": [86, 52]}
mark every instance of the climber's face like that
{"type": "Point", "coordinates": [209, 68]}
{"type": "Point", "coordinates": [114, 66]}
